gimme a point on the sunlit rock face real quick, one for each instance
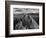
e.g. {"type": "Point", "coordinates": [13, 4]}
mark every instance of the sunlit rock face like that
{"type": "Point", "coordinates": [27, 21]}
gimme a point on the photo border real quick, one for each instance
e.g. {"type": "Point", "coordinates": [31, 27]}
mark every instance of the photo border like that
{"type": "Point", "coordinates": [7, 16]}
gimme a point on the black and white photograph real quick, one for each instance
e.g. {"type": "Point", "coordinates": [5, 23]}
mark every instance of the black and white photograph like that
{"type": "Point", "coordinates": [24, 19]}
